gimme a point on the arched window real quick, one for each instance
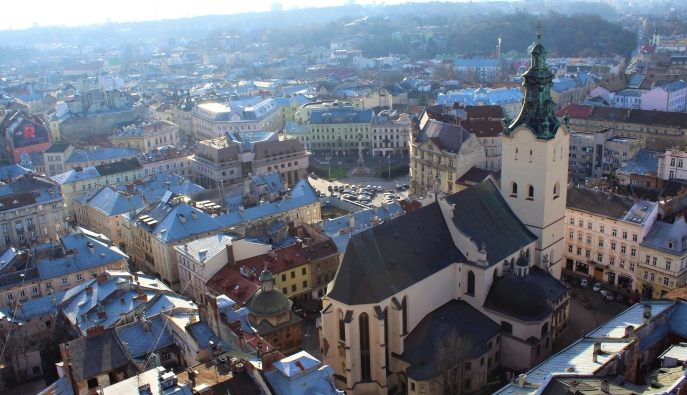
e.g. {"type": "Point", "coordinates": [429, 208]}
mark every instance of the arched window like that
{"type": "Point", "coordinates": [342, 327]}
{"type": "Point", "coordinates": [386, 337]}
{"type": "Point", "coordinates": [404, 313]}
{"type": "Point", "coordinates": [496, 273]}
{"type": "Point", "coordinates": [506, 327]}
{"type": "Point", "coordinates": [364, 347]}
{"type": "Point", "coordinates": [530, 192]}
{"type": "Point", "coordinates": [556, 190]}
{"type": "Point", "coordinates": [471, 283]}
{"type": "Point", "coordinates": [544, 329]}
{"type": "Point", "coordinates": [514, 189]}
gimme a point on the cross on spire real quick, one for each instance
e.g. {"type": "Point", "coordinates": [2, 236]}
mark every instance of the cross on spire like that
{"type": "Point", "coordinates": [539, 27]}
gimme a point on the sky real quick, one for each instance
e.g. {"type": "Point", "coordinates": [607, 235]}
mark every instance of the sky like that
{"type": "Point", "coordinates": [15, 15]}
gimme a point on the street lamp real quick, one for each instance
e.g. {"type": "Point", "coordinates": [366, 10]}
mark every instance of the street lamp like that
{"type": "Point", "coordinates": [339, 167]}
{"type": "Point", "coordinates": [389, 165]}
{"type": "Point", "coordinates": [329, 158]}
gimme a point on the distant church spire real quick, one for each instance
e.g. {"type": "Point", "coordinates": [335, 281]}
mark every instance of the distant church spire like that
{"type": "Point", "coordinates": [538, 108]}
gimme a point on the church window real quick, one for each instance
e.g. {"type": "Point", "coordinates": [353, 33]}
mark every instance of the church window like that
{"type": "Point", "coordinates": [471, 283]}
{"type": "Point", "coordinates": [514, 189]}
{"type": "Point", "coordinates": [342, 326]}
{"type": "Point", "coordinates": [530, 192]}
{"type": "Point", "coordinates": [516, 154]}
{"type": "Point", "coordinates": [556, 190]}
{"type": "Point", "coordinates": [506, 327]}
{"type": "Point", "coordinates": [365, 371]}
{"type": "Point", "coordinates": [386, 336]}
{"type": "Point", "coordinates": [544, 329]}
{"type": "Point", "coordinates": [530, 156]}
{"type": "Point", "coordinates": [404, 313]}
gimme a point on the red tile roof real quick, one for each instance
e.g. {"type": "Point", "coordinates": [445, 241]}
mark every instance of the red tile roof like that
{"type": "Point", "coordinates": [282, 259]}
{"type": "Point", "coordinates": [229, 281]}
{"type": "Point", "coordinates": [577, 111]}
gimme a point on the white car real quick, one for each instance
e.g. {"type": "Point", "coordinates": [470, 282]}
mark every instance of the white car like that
{"type": "Point", "coordinates": [583, 283]}
{"type": "Point", "coordinates": [597, 287]}
{"type": "Point", "coordinates": [363, 198]}
{"type": "Point", "coordinates": [379, 188]}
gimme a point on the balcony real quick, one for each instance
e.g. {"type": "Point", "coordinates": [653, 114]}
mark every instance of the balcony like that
{"type": "Point", "coordinates": [20, 231]}
{"type": "Point", "coordinates": [31, 226]}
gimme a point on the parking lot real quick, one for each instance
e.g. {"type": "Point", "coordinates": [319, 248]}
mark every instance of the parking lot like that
{"type": "Point", "coordinates": [377, 199]}
{"type": "Point", "coordinates": [588, 310]}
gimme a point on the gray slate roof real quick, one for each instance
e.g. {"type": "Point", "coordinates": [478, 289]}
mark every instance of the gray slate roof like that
{"type": "Point", "coordinates": [139, 341]}
{"type": "Point", "coordinates": [392, 256]}
{"type": "Point", "coordinates": [483, 214]}
{"type": "Point", "coordinates": [91, 356]}
{"type": "Point", "coordinates": [110, 202]}
{"type": "Point", "coordinates": [598, 202]}
{"type": "Point", "coordinates": [422, 343]}
{"type": "Point", "coordinates": [448, 136]}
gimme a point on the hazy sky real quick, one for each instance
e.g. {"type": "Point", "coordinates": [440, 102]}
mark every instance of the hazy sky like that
{"type": "Point", "coordinates": [16, 14]}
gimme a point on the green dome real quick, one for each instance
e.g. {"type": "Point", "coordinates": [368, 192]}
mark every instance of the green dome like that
{"type": "Point", "coordinates": [266, 275]}
{"type": "Point", "coordinates": [268, 303]}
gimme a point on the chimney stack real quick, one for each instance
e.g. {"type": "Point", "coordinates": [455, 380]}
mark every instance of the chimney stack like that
{"type": "Point", "coordinates": [647, 313]}
{"type": "Point", "coordinates": [573, 386]}
{"type": "Point", "coordinates": [596, 352]}
{"type": "Point", "coordinates": [629, 331]}
{"type": "Point", "coordinates": [605, 386]}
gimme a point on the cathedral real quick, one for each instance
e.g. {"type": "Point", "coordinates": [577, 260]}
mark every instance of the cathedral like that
{"type": "Point", "coordinates": [481, 265]}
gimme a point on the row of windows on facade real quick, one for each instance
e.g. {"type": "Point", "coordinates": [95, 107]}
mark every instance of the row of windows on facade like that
{"type": "Point", "coordinates": [18, 225]}
{"type": "Point", "coordinates": [22, 239]}
{"type": "Point", "coordinates": [601, 239]}
{"type": "Point", "coordinates": [48, 286]}
{"type": "Point", "coordinates": [560, 150]}
{"type": "Point", "coordinates": [626, 127]}
{"type": "Point", "coordinates": [602, 228]}
{"type": "Point", "coordinates": [530, 190]}
{"type": "Point", "coordinates": [107, 182]}
{"type": "Point", "coordinates": [600, 257]}
{"type": "Point", "coordinates": [352, 144]}
{"type": "Point", "coordinates": [17, 213]}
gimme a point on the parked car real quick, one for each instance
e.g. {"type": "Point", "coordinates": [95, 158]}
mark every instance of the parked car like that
{"type": "Point", "coordinates": [634, 300]}
{"type": "Point", "coordinates": [379, 188]}
{"type": "Point", "coordinates": [607, 295]}
{"type": "Point", "coordinates": [313, 175]}
{"type": "Point", "coordinates": [597, 287]}
{"type": "Point", "coordinates": [334, 195]}
{"type": "Point", "coordinates": [583, 283]}
{"type": "Point", "coordinates": [324, 162]}
{"type": "Point", "coordinates": [363, 198]}
{"type": "Point", "coordinates": [323, 195]}
{"type": "Point", "coordinates": [329, 188]}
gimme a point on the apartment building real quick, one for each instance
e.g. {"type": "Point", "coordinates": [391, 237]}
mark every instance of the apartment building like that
{"type": "Point", "coordinates": [168, 159]}
{"type": "Point", "coordinates": [663, 258]}
{"type": "Point", "coordinates": [32, 210]}
{"type": "Point", "coordinates": [337, 130]}
{"type": "Point", "coordinates": [147, 136]}
{"type": "Point", "coordinates": [603, 236]}
{"type": "Point", "coordinates": [599, 154]}
{"type": "Point", "coordinates": [662, 130]}
{"type": "Point", "coordinates": [390, 133]}
{"type": "Point", "coordinates": [441, 152]}
{"type": "Point", "coordinates": [199, 260]}
{"type": "Point", "coordinates": [55, 156]}
{"type": "Point", "coordinates": [214, 120]}
{"type": "Point", "coordinates": [77, 182]}
{"type": "Point", "coordinates": [227, 160]}
{"type": "Point", "coordinates": [102, 211]}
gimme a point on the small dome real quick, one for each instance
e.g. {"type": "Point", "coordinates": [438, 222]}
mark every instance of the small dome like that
{"type": "Point", "coordinates": [518, 296]}
{"type": "Point", "coordinates": [537, 49]}
{"type": "Point", "coordinates": [523, 261]}
{"type": "Point", "coordinates": [25, 157]}
{"type": "Point", "coordinates": [266, 275]}
{"type": "Point", "coordinates": [268, 303]}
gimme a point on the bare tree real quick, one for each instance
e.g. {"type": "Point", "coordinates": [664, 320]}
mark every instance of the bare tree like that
{"type": "Point", "coordinates": [450, 358]}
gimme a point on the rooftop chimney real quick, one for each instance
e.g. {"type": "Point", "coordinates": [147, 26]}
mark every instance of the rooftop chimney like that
{"type": "Point", "coordinates": [91, 247]}
{"type": "Point", "coordinates": [629, 331]}
{"type": "Point", "coordinates": [573, 386]}
{"type": "Point", "coordinates": [522, 379]}
{"type": "Point", "coordinates": [605, 386]}
{"type": "Point", "coordinates": [647, 313]}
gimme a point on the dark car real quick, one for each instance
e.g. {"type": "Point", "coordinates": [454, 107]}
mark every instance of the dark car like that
{"type": "Point", "coordinates": [329, 188]}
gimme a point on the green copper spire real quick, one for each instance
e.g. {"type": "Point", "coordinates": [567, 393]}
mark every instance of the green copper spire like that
{"type": "Point", "coordinates": [537, 109]}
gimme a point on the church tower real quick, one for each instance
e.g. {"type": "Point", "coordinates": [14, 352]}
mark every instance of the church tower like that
{"type": "Point", "coordinates": [535, 164]}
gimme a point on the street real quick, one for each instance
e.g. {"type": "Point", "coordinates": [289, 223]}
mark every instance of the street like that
{"type": "Point", "coordinates": [582, 320]}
